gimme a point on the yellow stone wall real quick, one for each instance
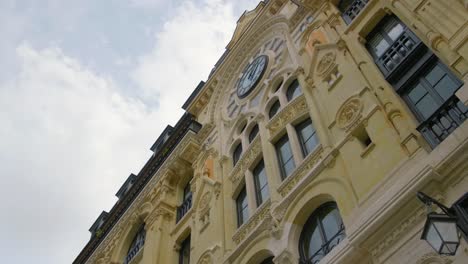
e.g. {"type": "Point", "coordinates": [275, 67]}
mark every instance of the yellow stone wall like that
{"type": "Point", "coordinates": [344, 94]}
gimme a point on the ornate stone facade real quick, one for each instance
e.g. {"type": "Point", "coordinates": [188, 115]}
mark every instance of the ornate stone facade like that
{"type": "Point", "coordinates": [352, 138]}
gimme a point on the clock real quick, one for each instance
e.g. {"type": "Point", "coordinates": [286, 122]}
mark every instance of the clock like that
{"type": "Point", "coordinates": [251, 76]}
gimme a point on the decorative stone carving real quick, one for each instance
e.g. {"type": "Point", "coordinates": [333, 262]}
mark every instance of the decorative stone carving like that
{"type": "Point", "coordinates": [290, 182]}
{"type": "Point", "coordinates": [326, 63]}
{"type": "Point", "coordinates": [284, 257]}
{"type": "Point", "coordinates": [433, 258]}
{"type": "Point", "coordinates": [247, 158]}
{"type": "Point", "coordinates": [262, 214]}
{"type": "Point", "coordinates": [208, 256]}
{"type": "Point", "coordinates": [349, 113]}
{"type": "Point", "coordinates": [293, 110]}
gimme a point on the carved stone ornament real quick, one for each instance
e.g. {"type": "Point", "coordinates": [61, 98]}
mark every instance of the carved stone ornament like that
{"type": "Point", "coordinates": [349, 113]}
{"type": "Point", "coordinates": [326, 63]}
{"type": "Point", "coordinates": [254, 223]}
{"type": "Point", "coordinates": [297, 107]}
{"type": "Point", "coordinates": [433, 258]}
{"type": "Point", "coordinates": [285, 257]}
{"type": "Point", "coordinates": [208, 256]}
{"type": "Point", "coordinates": [205, 202]}
{"type": "Point", "coordinates": [247, 158]}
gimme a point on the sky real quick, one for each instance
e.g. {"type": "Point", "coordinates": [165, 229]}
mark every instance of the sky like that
{"type": "Point", "coordinates": [86, 87]}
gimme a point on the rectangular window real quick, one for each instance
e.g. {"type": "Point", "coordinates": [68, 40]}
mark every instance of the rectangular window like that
{"type": "Point", "coordinates": [184, 252]}
{"type": "Point", "coordinates": [242, 207]}
{"type": "Point", "coordinates": [261, 183]}
{"type": "Point", "coordinates": [285, 156]}
{"type": "Point", "coordinates": [307, 136]}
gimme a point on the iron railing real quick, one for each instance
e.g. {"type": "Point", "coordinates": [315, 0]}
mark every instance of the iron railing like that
{"type": "Point", "coordinates": [353, 10]}
{"type": "Point", "coordinates": [184, 208]}
{"type": "Point", "coordinates": [443, 121]}
{"type": "Point", "coordinates": [137, 247]}
{"type": "Point", "coordinates": [326, 248]}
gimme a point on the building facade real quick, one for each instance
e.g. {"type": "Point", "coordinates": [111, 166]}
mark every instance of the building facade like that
{"type": "Point", "coordinates": [307, 143]}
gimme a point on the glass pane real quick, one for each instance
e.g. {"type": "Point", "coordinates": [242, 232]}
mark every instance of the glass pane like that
{"type": "Point", "coordinates": [378, 44]}
{"type": "Point", "coordinates": [395, 31]}
{"type": "Point", "coordinates": [265, 194]}
{"type": "Point", "coordinates": [435, 75]}
{"type": "Point", "coordinates": [448, 230]}
{"type": "Point", "coordinates": [274, 109]}
{"type": "Point", "coordinates": [285, 151]}
{"type": "Point", "coordinates": [253, 133]}
{"type": "Point", "coordinates": [307, 131]}
{"type": "Point", "coordinates": [289, 166]}
{"type": "Point", "coordinates": [446, 87]}
{"type": "Point", "coordinates": [417, 93]}
{"type": "Point", "coordinates": [331, 223]}
{"type": "Point", "coordinates": [433, 238]}
{"type": "Point", "coordinates": [427, 106]}
{"type": "Point", "coordinates": [311, 144]}
{"type": "Point", "coordinates": [293, 90]}
{"type": "Point", "coordinates": [312, 240]}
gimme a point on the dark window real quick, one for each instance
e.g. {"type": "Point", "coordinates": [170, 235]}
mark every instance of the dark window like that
{"type": "Point", "coordinates": [136, 245]}
{"type": "Point", "coordinates": [253, 133]}
{"type": "Point", "coordinates": [268, 260]}
{"type": "Point", "coordinates": [242, 207]}
{"type": "Point", "coordinates": [184, 253]}
{"type": "Point", "coordinates": [351, 8]}
{"type": "Point", "coordinates": [237, 154]}
{"type": "Point", "coordinates": [278, 86]}
{"type": "Point", "coordinates": [186, 203]}
{"type": "Point", "coordinates": [285, 156]}
{"type": "Point", "coordinates": [274, 109]}
{"type": "Point", "coordinates": [431, 97]}
{"type": "Point", "coordinates": [420, 78]}
{"type": "Point", "coordinates": [393, 45]}
{"type": "Point", "coordinates": [294, 90]}
{"type": "Point", "coordinates": [307, 136]}
{"type": "Point", "coordinates": [321, 233]}
{"type": "Point", "coordinates": [261, 183]}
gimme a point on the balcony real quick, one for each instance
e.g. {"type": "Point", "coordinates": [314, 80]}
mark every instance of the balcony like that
{"type": "Point", "coordinates": [352, 10]}
{"type": "Point", "coordinates": [443, 121]}
{"type": "Point", "coordinates": [184, 208]}
{"type": "Point", "coordinates": [136, 249]}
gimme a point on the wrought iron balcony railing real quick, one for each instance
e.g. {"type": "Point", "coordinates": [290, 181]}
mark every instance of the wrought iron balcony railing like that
{"type": "Point", "coordinates": [443, 121]}
{"type": "Point", "coordinates": [137, 247]}
{"type": "Point", "coordinates": [353, 10]}
{"type": "Point", "coordinates": [184, 208]}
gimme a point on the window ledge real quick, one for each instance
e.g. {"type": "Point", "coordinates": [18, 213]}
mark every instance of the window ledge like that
{"type": "Point", "coordinates": [367, 150]}
{"type": "Point", "coordinates": [182, 221]}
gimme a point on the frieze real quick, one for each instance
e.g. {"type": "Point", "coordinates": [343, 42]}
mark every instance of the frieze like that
{"type": "Point", "coordinates": [349, 113]}
{"type": "Point", "coordinates": [262, 213]}
{"type": "Point", "coordinates": [308, 164]}
{"type": "Point", "coordinates": [290, 112]}
{"type": "Point", "coordinates": [247, 158]}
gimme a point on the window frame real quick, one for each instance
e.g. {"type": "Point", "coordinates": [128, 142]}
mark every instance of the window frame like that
{"type": "Point", "coordinates": [291, 90]}
{"type": "Point", "coordinates": [185, 245]}
{"type": "Point", "coordinates": [316, 216]}
{"type": "Point", "coordinates": [237, 153]}
{"type": "Point", "coordinates": [299, 127]}
{"type": "Point", "coordinates": [258, 189]}
{"type": "Point", "coordinates": [253, 135]}
{"type": "Point", "coordinates": [284, 140]}
{"type": "Point", "coordinates": [240, 209]}
{"type": "Point", "coordinates": [274, 109]}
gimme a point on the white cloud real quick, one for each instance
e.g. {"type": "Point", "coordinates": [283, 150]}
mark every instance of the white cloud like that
{"type": "Point", "coordinates": [68, 142]}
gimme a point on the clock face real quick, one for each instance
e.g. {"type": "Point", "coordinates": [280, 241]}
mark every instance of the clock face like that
{"type": "Point", "coordinates": [251, 76]}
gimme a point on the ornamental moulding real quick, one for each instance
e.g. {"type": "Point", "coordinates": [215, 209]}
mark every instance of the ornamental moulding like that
{"type": "Point", "coordinates": [292, 111]}
{"type": "Point", "coordinates": [247, 158]}
{"type": "Point", "coordinates": [326, 63]}
{"type": "Point", "coordinates": [253, 224]}
{"type": "Point", "coordinates": [349, 113]}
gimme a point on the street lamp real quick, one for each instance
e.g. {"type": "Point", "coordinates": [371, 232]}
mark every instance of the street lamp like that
{"type": "Point", "coordinates": [442, 230]}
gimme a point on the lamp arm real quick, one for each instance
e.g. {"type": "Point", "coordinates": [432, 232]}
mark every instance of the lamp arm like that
{"type": "Point", "coordinates": [427, 200]}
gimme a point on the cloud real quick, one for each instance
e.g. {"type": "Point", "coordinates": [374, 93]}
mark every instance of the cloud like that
{"type": "Point", "coordinates": [69, 141]}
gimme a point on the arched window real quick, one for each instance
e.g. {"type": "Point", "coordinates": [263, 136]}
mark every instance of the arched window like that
{"type": "Point", "coordinates": [237, 154]}
{"type": "Point", "coordinates": [321, 233]}
{"type": "Point", "coordinates": [253, 133]}
{"type": "Point", "coordinates": [137, 244]}
{"type": "Point", "coordinates": [294, 90]}
{"type": "Point", "coordinates": [274, 109]}
{"type": "Point", "coordinates": [268, 260]}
